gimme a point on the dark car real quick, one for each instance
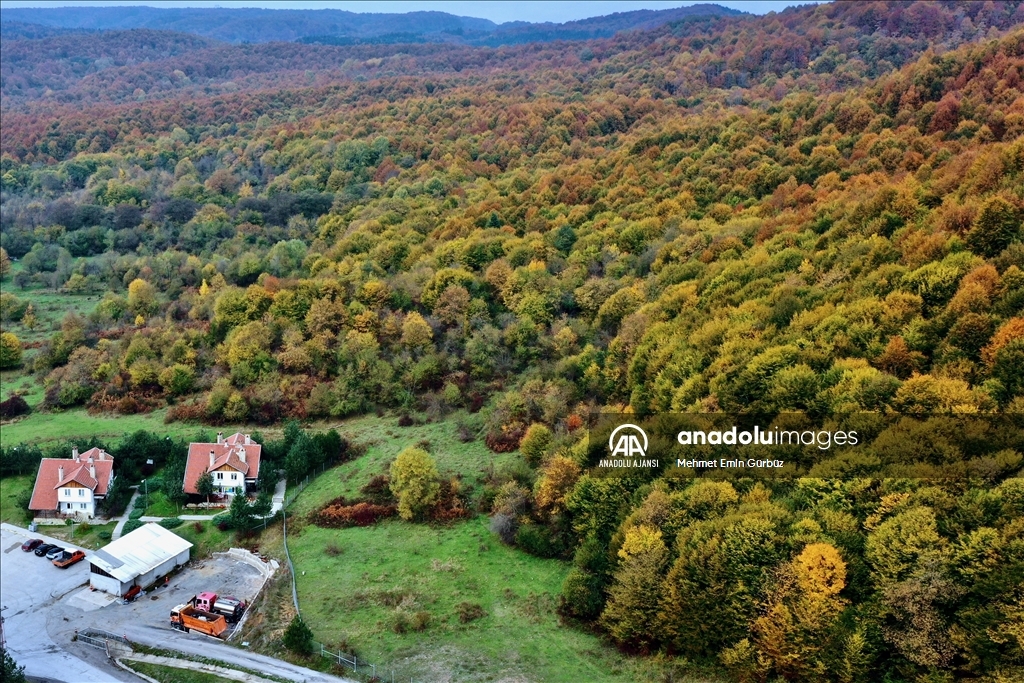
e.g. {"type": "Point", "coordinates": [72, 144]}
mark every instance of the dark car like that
{"type": "Point", "coordinates": [44, 548]}
{"type": "Point", "coordinates": [31, 544]}
{"type": "Point", "coordinates": [55, 552]}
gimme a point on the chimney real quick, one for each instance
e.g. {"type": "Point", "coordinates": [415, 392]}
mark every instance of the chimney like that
{"type": "Point", "coordinates": [248, 440]}
{"type": "Point", "coordinates": [241, 454]}
{"type": "Point", "coordinates": [220, 437]}
{"type": "Point", "coordinates": [92, 469]}
{"type": "Point", "coordinates": [213, 457]}
{"type": "Point", "coordinates": [74, 453]}
{"type": "Point", "coordinates": [60, 473]}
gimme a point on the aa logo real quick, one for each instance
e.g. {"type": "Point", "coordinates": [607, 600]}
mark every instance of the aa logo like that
{"type": "Point", "coordinates": [625, 441]}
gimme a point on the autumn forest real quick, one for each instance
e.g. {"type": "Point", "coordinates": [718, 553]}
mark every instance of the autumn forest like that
{"type": "Point", "coordinates": [817, 211]}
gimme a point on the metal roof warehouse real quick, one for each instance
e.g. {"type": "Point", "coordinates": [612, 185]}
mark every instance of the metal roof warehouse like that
{"type": "Point", "coordinates": [137, 559]}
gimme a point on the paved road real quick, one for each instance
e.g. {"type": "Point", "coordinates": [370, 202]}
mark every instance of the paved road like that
{"type": "Point", "coordinates": [168, 638]}
{"type": "Point", "coordinates": [31, 587]}
{"type": "Point", "coordinates": [116, 534]}
{"type": "Point", "coordinates": [39, 622]}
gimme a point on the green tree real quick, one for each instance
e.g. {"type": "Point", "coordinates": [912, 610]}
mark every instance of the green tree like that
{"type": "Point", "coordinates": [298, 637]}
{"type": "Point", "coordinates": [204, 486]}
{"type": "Point", "coordinates": [240, 514]}
{"type": "Point", "coordinates": [142, 297]}
{"type": "Point", "coordinates": [11, 672]}
{"type": "Point", "coordinates": [5, 263]}
{"type": "Point", "coordinates": [10, 351]}
{"type": "Point", "coordinates": [177, 379]}
{"type": "Point", "coordinates": [414, 482]}
{"type": "Point", "coordinates": [535, 443]}
{"type": "Point", "coordinates": [998, 224]}
{"type": "Point", "coordinates": [302, 457]}
{"type": "Point", "coordinates": [416, 332]}
{"type": "Point", "coordinates": [636, 589]}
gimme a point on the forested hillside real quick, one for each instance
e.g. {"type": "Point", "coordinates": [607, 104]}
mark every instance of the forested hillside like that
{"type": "Point", "coordinates": [818, 210]}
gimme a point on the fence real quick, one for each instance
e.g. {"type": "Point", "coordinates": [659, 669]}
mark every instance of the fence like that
{"type": "Point", "coordinates": [99, 638]}
{"type": "Point", "coordinates": [342, 659]}
{"type": "Point", "coordinates": [352, 662]}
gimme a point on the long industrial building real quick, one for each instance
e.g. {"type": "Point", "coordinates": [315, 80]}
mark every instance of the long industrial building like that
{"type": "Point", "coordinates": [137, 559]}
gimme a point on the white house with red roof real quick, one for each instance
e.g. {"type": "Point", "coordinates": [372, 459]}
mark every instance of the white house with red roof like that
{"type": "Point", "coordinates": [71, 487]}
{"type": "Point", "coordinates": [234, 464]}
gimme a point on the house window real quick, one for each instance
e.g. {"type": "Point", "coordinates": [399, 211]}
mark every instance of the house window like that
{"type": "Point", "coordinates": [67, 492]}
{"type": "Point", "coordinates": [234, 476]}
{"type": "Point", "coordinates": [81, 505]}
{"type": "Point", "coordinates": [81, 492]}
{"type": "Point", "coordinates": [220, 475]}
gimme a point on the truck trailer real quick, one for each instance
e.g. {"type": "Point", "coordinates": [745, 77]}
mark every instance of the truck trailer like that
{"type": "Point", "coordinates": [188, 619]}
{"type": "Point", "coordinates": [208, 601]}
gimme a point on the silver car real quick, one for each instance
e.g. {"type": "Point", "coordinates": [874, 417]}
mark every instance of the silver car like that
{"type": "Point", "coordinates": [55, 553]}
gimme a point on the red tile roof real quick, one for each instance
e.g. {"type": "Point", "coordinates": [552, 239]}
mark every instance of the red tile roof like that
{"type": "Point", "coordinates": [228, 453]}
{"type": "Point", "coordinates": [48, 480]}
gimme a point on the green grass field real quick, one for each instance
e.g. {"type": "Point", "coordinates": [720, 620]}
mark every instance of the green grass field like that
{"type": "Point", "coordinates": [90, 536]}
{"type": "Point", "coordinates": [356, 585]}
{"type": "Point", "coordinates": [384, 439]}
{"type": "Point", "coordinates": [12, 489]}
{"type": "Point", "coordinates": [208, 541]}
{"type": "Point", "coordinates": [361, 587]}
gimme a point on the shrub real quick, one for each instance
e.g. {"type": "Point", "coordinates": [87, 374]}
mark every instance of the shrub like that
{"type": "Point", "coordinates": [13, 407]}
{"type": "Point", "coordinates": [378, 490]}
{"type": "Point", "coordinates": [130, 526]}
{"type": "Point", "coordinates": [198, 527]}
{"type": "Point", "coordinates": [420, 621]}
{"type": "Point", "coordinates": [104, 535]}
{"type": "Point", "coordinates": [171, 522]}
{"type": "Point", "coordinates": [469, 611]}
{"type": "Point", "coordinates": [339, 514]}
{"type": "Point", "coordinates": [406, 421]}
{"type": "Point", "coordinates": [333, 550]}
{"type": "Point", "coordinates": [401, 622]}
{"type": "Point", "coordinates": [298, 637]}
{"type": "Point", "coordinates": [535, 443]}
{"type": "Point", "coordinates": [535, 539]}
{"type": "Point", "coordinates": [504, 440]}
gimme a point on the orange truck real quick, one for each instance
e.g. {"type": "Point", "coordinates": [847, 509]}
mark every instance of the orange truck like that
{"type": "Point", "coordinates": [188, 619]}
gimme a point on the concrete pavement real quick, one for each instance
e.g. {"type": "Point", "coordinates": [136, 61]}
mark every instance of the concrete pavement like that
{"type": "Point", "coordinates": [116, 533]}
{"type": "Point", "coordinates": [31, 586]}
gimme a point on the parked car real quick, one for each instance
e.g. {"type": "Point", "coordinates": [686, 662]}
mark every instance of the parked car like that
{"type": "Point", "coordinates": [44, 548]}
{"type": "Point", "coordinates": [31, 544]}
{"type": "Point", "coordinates": [68, 559]}
{"type": "Point", "coordinates": [55, 552]}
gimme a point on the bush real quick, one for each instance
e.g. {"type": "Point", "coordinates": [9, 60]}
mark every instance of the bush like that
{"type": "Point", "coordinates": [401, 622]}
{"type": "Point", "coordinates": [198, 527]}
{"type": "Point", "coordinates": [506, 526]}
{"type": "Point", "coordinates": [171, 522]}
{"type": "Point", "coordinates": [504, 440]}
{"type": "Point", "coordinates": [333, 550]}
{"type": "Point", "coordinates": [298, 637]}
{"type": "Point", "coordinates": [469, 611]}
{"type": "Point", "coordinates": [136, 513]}
{"type": "Point", "coordinates": [420, 621]}
{"type": "Point", "coordinates": [339, 514]}
{"type": "Point", "coordinates": [104, 535]}
{"type": "Point", "coordinates": [130, 526]}
{"type": "Point", "coordinates": [536, 540]}
{"type": "Point", "coordinates": [13, 407]}
{"type": "Point", "coordinates": [378, 490]}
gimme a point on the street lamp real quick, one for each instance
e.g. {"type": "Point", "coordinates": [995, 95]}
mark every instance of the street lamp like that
{"type": "Point", "coordinates": [146, 482]}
